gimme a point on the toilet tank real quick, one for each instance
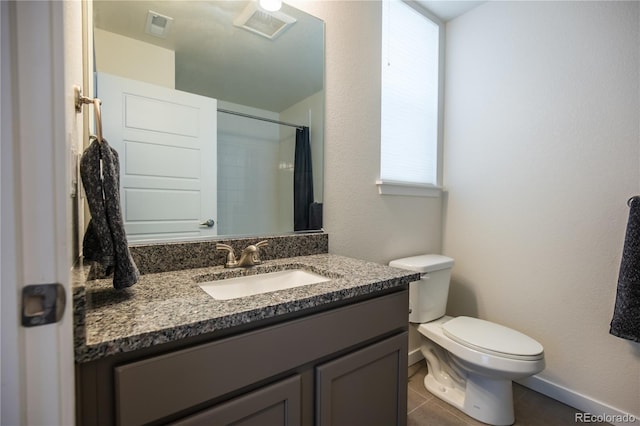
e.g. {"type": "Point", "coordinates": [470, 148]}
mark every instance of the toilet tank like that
{"type": "Point", "coordinates": [427, 297]}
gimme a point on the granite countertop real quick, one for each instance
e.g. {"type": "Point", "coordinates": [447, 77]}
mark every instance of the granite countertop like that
{"type": "Point", "coordinates": [169, 306]}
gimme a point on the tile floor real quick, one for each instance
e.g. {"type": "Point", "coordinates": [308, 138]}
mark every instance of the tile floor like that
{"type": "Point", "coordinates": [532, 408]}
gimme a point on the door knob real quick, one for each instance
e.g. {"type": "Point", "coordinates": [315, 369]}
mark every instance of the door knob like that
{"type": "Point", "coordinates": [209, 223]}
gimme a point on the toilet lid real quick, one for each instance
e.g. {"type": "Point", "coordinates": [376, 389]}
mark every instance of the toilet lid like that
{"type": "Point", "coordinates": [492, 338]}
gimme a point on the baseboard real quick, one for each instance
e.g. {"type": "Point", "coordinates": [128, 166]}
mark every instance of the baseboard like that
{"type": "Point", "coordinates": [595, 410]}
{"type": "Point", "coordinates": [415, 356]}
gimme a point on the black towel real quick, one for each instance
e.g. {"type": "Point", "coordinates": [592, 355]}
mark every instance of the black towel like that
{"type": "Point", "coordinates": [105, 241]}
{"type": "Point", "coordinates": [626, 314]}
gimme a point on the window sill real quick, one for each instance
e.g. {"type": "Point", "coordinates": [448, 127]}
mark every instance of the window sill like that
{"type": "Point", "coordinates": [408, 189]}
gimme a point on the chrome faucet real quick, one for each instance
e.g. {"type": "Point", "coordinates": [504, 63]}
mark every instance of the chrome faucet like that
{"type": "Point", "coordinates": [250, 256]}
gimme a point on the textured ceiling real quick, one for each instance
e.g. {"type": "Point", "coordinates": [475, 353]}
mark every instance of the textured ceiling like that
{"type": "Point", "coordinates": [217, 59]}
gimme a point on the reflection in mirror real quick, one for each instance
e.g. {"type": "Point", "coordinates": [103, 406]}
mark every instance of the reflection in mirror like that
{"type": "Point", "coordinates": [169, 73]}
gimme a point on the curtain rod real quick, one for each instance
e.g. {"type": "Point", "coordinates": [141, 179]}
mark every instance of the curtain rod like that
{"type": "Point", "coordinates": [255, 117]}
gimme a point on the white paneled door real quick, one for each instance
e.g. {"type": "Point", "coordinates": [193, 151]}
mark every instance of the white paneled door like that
{"type": "Point", "coordinates": [167, 143]}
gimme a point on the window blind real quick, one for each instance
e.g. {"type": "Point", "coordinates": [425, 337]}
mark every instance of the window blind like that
{"type": "Point", "coordinates": [409, 122]}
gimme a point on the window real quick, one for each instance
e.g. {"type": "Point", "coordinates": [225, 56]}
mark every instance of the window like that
{"type": "Point", "coordinates": [410, 116]}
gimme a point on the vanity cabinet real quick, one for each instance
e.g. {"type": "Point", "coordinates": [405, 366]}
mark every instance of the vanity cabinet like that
{"type": "Point", "coordinates": [342, 366]}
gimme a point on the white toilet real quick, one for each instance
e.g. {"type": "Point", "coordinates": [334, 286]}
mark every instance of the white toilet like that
{"type": "Point", "coordinates": [470, 362]}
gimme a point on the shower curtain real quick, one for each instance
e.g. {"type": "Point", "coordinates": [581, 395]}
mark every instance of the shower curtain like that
{"type": "Point", "coordinates": [302, 181]}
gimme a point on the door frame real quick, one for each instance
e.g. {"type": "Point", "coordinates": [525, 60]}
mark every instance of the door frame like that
{"type": "Point", "coordinates": [41, 50]}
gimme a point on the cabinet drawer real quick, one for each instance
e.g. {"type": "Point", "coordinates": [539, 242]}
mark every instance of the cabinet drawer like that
{"type": "Point", "coordinates": [277, 404]}
{"type": "Point", "coordinates": [185, 378]}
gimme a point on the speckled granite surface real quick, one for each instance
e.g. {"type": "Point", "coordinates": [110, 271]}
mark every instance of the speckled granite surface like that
{"type": "Point", "coordinates": [168, 306]}
{"type": "Point", "coordinates": [154, 258]}
{"type": "Point", "coordinates": [164, 257]}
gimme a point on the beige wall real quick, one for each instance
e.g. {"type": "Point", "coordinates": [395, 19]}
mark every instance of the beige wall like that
{"type": "Point", "coordinates": [360, 222]}
{"type": "Point", "coordinates": [126, 57]}
{"type": "Point", "coordinates": [542, 151]}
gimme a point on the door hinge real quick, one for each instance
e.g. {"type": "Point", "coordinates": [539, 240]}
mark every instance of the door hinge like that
{"type": "Point", "coordinates": [42, 304]}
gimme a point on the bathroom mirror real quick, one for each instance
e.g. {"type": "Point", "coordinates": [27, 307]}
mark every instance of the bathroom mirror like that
{"type": "Point", "coordinates": [230, 56]}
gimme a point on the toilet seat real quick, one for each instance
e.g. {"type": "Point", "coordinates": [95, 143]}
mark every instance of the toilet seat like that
{"type": "Point", "coordinates": [491, 338]}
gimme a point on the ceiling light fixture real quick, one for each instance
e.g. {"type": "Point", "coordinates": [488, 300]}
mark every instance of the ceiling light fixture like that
{"type": "Point", "coordinates": [259, 21]}
{"type": "Point", "coordinates": [271, 5]}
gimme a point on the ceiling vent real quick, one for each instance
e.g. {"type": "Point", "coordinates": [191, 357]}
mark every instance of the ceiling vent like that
{"type": "Point", "coordinates": [157, 25]}
{"type": "Point", "coordinates": [261, 22]}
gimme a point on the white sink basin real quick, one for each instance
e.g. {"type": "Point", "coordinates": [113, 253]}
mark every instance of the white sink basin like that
{"type": "Point", "coordinates": [232, 288]}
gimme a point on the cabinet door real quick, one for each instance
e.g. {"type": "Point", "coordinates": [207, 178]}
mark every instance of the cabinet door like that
{"type": "Point", "coordinates": [366, 387]}
{"type": "Point", "coordinates": [273, 405]}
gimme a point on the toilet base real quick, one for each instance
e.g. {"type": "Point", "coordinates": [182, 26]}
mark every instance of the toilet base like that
{"type": "Point", "coordinates": [485, 399]}
{"type": "Point", "coordinates": [453, 396]}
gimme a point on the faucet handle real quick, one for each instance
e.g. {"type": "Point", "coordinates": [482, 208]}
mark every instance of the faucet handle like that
{"type": "Point", "coordinates": [231, 257]}
{"type": "Point", "coordinates": [256, 255]}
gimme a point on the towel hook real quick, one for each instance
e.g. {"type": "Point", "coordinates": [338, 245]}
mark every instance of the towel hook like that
{"type": "Point", "coordinates": [630, 200]}
{"type": "Point", "coordinates": [81, 100]}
